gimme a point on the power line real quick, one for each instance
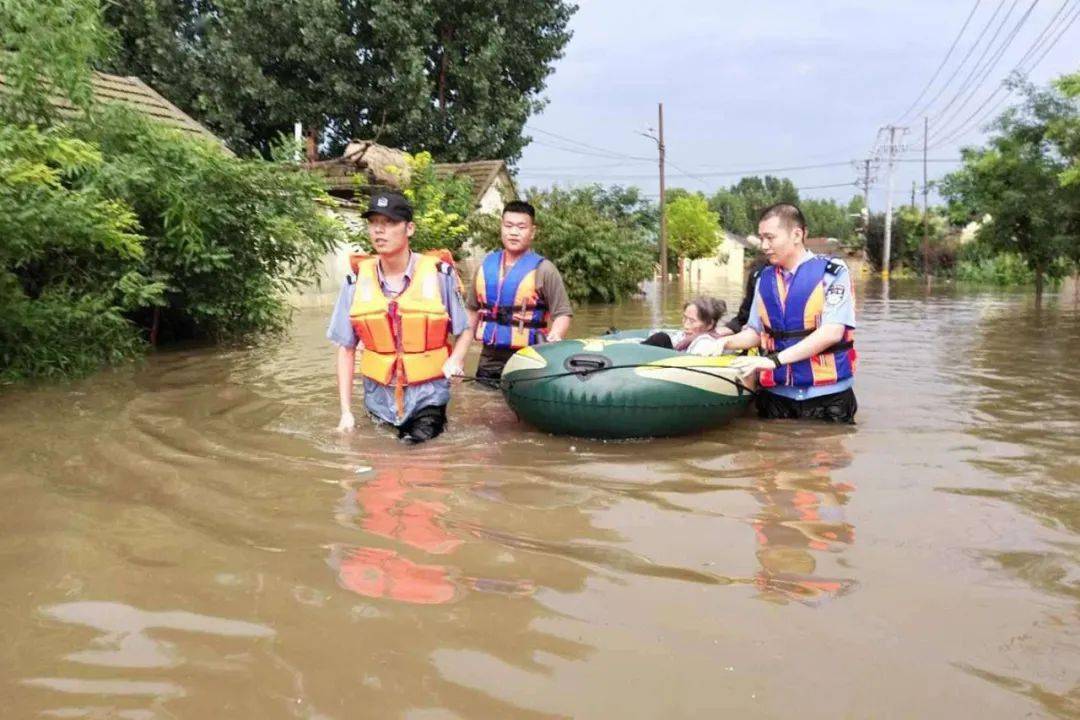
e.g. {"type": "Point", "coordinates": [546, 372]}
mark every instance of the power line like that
{"type": "Point", "coordinates": [968, 123]}
{"type": "Point", "coordinates": [989, 67]}
{"type": "Point", "coordinates": [940, 67]}
{"type": "Point", "coordinates": [612, 153]}
{"type": "Point", "coordinates": [956, 71]}
{"type": "Point", "coordinates": [729, 173]}
{"type": "Point", "coordinates": [978, 66]}
{"type": "Point", "coordinates": [822, 187]}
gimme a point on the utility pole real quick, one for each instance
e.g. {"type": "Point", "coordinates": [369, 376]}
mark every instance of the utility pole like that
{"type": "Point", "coordinates": [864, 182]}
{"type": "Point", "coordinates": [663, 209]}
{"type": "Point", "coordinates": [925, 203]}
{"type": "Point", "coordinates": [658, 138]}
{"type": "Point", "coordinates": [892, 149]}
{"type": "Point", "coordinates": [866, 192]}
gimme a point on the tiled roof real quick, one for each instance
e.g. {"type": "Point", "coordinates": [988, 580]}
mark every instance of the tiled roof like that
{"type": "Point", "coordinates": [482, 173]}
{"type": "Point", "coordinates": [134, 93]}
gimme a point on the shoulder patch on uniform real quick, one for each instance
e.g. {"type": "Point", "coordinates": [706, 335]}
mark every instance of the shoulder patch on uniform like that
{"type": "Point", "coordinates": [350, 279]}
{"type": "Point", "coordinates": [834, 266]}
{"type": "Point", "coordinates": [445, 268]}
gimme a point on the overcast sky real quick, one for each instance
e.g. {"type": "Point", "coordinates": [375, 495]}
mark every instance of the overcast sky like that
{"type": "Point", "coordinates": [776, 84]}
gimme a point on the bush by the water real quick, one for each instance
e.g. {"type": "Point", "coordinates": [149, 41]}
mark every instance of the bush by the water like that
{"type": "Point", "coordinates": [113, 229]}
{"type": "Point", "coordinates": [977, 265]}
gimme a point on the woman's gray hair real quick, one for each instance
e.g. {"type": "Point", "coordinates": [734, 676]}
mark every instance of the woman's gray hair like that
{"type": "Point", "coordinates": [709, 310]}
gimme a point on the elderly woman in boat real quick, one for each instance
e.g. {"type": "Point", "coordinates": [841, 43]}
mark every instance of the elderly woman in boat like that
{"type": "Point", "coordinates": [698, 336]}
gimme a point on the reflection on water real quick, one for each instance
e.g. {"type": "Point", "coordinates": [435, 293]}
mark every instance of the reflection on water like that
{"type": "Point", "coordinates": [189, 538]}
{"type": "Point", "coordinates": [802, 515]}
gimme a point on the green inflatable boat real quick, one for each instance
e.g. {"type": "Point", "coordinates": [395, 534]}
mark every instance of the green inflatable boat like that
{"type": "Point", "coordinates": [615, 387]}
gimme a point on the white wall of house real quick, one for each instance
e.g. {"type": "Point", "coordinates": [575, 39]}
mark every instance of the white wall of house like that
{"type": "Point", "coordinates": [725, 266]}
{"type": "Point", "coordinates": [491, 202]}
{"type": "Point", "coordinates": [324, 289]}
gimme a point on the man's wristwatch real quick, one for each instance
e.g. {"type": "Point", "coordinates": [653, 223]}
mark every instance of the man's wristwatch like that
{"type": "Point", "coordinates": [775, 357]}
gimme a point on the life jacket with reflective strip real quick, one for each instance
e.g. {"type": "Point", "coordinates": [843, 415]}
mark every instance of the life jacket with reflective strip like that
{"type": "Point", "coordinates": [406, 339]}
{"type": "Point", "coordinates": [790, 312]}
{"type": "Point", "coordinates": [512, 315]}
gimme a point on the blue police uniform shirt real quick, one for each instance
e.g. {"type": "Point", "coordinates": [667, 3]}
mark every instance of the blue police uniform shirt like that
{"type": "Point", "coordinates": [379, 399]}
{"type": "Point", "coordinates": [839, 308]}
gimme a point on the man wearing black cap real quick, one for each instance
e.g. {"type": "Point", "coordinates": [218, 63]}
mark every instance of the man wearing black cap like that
{"type": "Point", "coordinates": [400, 308]}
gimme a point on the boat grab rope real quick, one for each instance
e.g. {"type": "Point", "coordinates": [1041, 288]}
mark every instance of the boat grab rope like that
{"type": "Point", "coordinates": [585, 371]}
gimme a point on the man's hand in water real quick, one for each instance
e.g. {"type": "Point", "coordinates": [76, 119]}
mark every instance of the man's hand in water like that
{"type": "Point", "coordinates": [452, 368]}
{"type": "Point", "coordinates": [348, 422]}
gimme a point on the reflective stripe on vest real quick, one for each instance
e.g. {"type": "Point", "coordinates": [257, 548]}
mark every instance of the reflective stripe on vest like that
{"type": "Point", "coordinates": [790, 312]}
{"type": "Point", "coordinates": [406, 340]}
{"type": "Point", "coordinates": [512, 315]}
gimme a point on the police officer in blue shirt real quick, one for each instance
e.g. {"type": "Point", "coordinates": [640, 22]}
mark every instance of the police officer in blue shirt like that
{"type": "Point", "coordinates": [401, 319]}
{"type": "Point", "coordinates": [803, 318]}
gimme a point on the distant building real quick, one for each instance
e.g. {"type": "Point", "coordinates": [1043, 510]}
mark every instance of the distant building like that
{"type": "Point", "coordinates": [727, 264]}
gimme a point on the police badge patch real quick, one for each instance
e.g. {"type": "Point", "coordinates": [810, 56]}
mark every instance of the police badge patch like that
{"type": "Point", "coordinates": [834, 295]}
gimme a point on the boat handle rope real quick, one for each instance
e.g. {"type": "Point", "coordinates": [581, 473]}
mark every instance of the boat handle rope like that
{"type": "Point", "coordinates": [589, 371]}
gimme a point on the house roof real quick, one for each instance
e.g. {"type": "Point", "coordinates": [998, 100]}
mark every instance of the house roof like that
{"type": "Point", "coordinates": [482, 172]}
{"type": "Point", "coordinates": [136, 94]}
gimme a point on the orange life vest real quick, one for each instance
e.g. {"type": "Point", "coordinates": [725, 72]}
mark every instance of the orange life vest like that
{"type": "Point", "coordinates": [406, 339]}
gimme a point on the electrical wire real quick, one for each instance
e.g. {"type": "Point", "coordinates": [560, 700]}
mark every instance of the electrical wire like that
{"type": "Point", "coordinates": [956, 71]}
{"type": "Point", "coordinates": [989, 67]}
{"type": "Point", "coordinates": [975, 119]}
{"type": "Point", "coordinates": [941, 66]}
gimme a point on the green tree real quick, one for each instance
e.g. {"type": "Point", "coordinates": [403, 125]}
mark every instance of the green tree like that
{"type": "Point", "coordinates": [733, 211]}
{"type": "Point", "coordinates": [693, 229]}
{"type": "Point", "coordinates": [1065, 131]}
{"type": "Point", "coordinates": [46, 49]}
{"type": "Point", "coordinates": [1016, 180]}
{"type": "Point", "coordinates": [441, 206]}
{"type": "Point", "coordinates": [226, 238]}
{"type": "Point", "coordinates": [458, 79]}
{"type": "Point", "coordinates": [64, 251]}
{"type": "Point", "coordinates": [826, 218]}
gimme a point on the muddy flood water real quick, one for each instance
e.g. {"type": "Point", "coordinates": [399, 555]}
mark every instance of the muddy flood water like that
{"type": "Point", "coordinates": [189, 538]}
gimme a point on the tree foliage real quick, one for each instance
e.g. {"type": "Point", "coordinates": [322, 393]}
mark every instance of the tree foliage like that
{"type": "Point", "coordinates": [693, 229]}
{"type": "Point", "coordinates": [47, 48]}
{"type": "Point", "coordinates": [1064, 131]}
{"type": "Point", "coordinates": [62, 250]}
{"type": "Point", "coordinates": [441, 206]}
{"type": "Point", "coordinates": [225, 237]}
{"type": "Point", "coordinates": [457, 79]}
{"type": "Point", "coordinates": [828, 218]}
{"type": "Point", "coordinates": [1016, 179]}
{"type": "Point", "coordinates": [111, 225]}
{"type": "Point", "coordinates": [740, 205]}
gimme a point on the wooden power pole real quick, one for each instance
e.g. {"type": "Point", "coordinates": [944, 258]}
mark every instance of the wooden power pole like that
{"type": "Point", "coordinates": [663, 209]}
{"type": "Point", "coordinates": [892, 149]}
{"type": "Point", "coordinates": [925, 203]}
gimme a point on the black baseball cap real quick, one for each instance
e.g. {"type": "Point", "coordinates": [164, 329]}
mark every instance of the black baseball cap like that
{"type": "Point", "coordinates": [391, 204]}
